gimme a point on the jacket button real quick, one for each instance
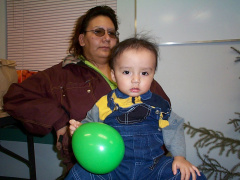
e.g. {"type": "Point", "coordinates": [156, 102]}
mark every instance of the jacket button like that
{"type": "Point", "coordinates": [88, 91]}
{"type": "Point", "coordinates": [157, 112]}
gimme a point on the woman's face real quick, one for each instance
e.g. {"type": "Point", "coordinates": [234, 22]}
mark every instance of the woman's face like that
{"type": "Point", "coordinates": [95, 48]}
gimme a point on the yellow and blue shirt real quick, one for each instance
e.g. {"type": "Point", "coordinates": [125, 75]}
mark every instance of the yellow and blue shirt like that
{"type": "Point", "coordinates": [117, 108]}
{"type": "Point", "coordinates": [130, 110]}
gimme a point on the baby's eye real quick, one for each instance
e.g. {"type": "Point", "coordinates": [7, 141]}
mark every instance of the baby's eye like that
{"type": "Point", "coordinates": [126, 72]}
{"type": "Point", "coordinates": [145, 73]}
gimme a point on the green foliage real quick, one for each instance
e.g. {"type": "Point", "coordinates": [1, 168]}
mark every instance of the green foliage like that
{"type": "Point", "coordinates": [212, 167]}
{"type": "Point", "coordinates": [215, 140]}
{"type": "Point", "coordinates": [235, 122]}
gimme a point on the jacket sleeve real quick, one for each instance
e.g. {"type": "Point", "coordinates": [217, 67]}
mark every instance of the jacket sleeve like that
{"type": "Point", "coordinates": [173, 136]}
{"type": "Point", "coordinates": [33, 104]}
{"type": "Point", "coordinates": [92, 115]}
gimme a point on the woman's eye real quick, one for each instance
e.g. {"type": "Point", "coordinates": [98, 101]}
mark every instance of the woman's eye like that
{"type": "Point", "coordinates": [126, 72]}
{"type": "Point", "coordinates": [98, 31]}
{"type": "Point", "coordinates": [111, 33]}
{"type": "Point", "coordinates": [145, 73]}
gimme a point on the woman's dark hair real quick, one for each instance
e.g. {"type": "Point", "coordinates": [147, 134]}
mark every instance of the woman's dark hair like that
{"type": "Point", "coordinates": [82, 23]}
{"type": "Point", "coordinates": [133, 43]}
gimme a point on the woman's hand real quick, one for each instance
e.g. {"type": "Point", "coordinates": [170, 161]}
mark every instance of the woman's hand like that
{"type": "Point", "coordinates": [73, 126]}
{"type": "Point", "coordinates": [186, 168]}
{"type": "Point", "coordinates": [60, 134]}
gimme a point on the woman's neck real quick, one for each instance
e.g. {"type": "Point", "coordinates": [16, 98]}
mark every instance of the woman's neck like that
{"type": "Point", "coordinates": [103, 66]}
{"type": "Point", "coordinates": [105, 69]}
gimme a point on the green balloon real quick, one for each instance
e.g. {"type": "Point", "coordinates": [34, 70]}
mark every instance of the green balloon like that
{"type": "Point", "coordinates": [98, 147]}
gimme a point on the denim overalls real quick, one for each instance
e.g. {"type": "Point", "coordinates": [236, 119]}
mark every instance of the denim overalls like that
{"type": "Point", "coordinates": [144, 158]}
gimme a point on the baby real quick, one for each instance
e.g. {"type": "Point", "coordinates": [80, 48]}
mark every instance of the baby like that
{"type": "Point", "coordinates": [141, 117]}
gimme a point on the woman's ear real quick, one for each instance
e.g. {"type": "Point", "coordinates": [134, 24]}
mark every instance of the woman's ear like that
{"type": "Point", "coordinates": [113, 75]}
{"type": "Point", "coordinates": [81, 40]}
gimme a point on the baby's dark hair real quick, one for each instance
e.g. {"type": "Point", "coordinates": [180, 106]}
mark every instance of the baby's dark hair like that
{"type": "Point", "coordinates": [132, 43]}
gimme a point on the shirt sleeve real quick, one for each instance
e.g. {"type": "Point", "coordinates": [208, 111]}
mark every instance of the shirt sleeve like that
{"type": "Point", "coordinates": [173, 136]}
{"type": "Point", "coordinates": [92, 115]}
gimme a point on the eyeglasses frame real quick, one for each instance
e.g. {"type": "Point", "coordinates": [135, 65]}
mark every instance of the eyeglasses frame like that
{"type": "Point", "coordinates": [94, 31]}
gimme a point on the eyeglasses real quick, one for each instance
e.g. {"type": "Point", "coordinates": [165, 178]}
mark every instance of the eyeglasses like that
{"type": "Point", "coordinates": [101, 32]}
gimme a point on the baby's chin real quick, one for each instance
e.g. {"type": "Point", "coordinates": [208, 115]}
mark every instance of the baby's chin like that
{"type": "Point", "coordinates": [134, 94]}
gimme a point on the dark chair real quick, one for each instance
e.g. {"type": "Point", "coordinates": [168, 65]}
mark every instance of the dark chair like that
{"type": "Point", "coordinates": [10, 122]}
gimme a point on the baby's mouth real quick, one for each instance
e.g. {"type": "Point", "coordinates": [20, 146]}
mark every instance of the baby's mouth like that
{"type": "Point", "coordinates": [135, 90]}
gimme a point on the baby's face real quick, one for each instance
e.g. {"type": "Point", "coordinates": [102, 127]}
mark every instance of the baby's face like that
{"type": "Point", "coordinates": [134, 71]}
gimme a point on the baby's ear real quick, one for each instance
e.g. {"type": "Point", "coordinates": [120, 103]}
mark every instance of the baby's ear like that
{"type": "Point", "coordinates": [113, 75]}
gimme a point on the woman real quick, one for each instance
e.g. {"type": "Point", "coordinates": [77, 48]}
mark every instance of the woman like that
{"type": "Point", "coordinates": [49, 99]}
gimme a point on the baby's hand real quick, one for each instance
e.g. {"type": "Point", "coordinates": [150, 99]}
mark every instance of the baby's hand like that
{"type": "Point", "coordinates": [186, 168]}
{"type": "Point", "coordinates": [73, 126]}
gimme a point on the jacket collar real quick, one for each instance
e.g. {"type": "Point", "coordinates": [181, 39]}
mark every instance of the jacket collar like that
{"type": "Point", "coordinates": [70, 59]}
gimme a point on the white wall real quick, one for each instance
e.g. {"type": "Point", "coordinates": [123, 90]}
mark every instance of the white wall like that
{"type": "Point", "coordinates": [181, 21]}
{"type": "Point", "coordinates": [126, 16]}
{"type": "Point", "coordinates": [201, 79]}
{"type": "Point", "coordinates": [203, 83]}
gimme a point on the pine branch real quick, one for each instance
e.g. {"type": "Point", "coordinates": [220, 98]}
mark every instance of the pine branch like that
{"type": "Point", "coordinates": [235, 123]}
{"type": "Point", "coordinates": [212, 167]}
{"type": "Point", "coordinates": [214, 140]}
